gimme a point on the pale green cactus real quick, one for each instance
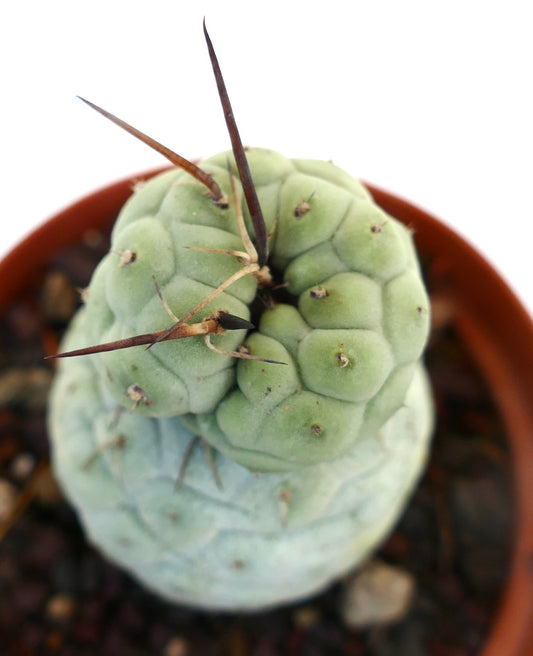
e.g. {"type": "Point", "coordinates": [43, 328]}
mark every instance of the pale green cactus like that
{"type": "Point", "coordinates": [258, 540]}
{"type": "Point", "coordinates": [326, 396]}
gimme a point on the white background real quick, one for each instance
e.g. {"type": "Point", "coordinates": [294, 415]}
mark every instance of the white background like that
{"type": "Point", "coordinates": [431, 100]}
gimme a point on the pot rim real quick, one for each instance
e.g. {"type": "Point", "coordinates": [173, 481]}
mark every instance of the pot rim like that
{"type": "Point", "coordinates": [489, 317]}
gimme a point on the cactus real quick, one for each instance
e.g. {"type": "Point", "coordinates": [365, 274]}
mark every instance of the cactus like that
{"type": "Point", "coordinates": [293, 358]}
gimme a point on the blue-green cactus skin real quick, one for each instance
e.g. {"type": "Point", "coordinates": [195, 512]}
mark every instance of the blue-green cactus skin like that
{"type": "Point", "coordinates": [316, 456]}
{"type": "Point", "coordinates": [350, 338]}
{"type": "Point", "coordinates": [262, 539]}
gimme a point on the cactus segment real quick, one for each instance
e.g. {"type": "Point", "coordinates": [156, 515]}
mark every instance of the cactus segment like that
{"type": "Point", "coordinates": [350, 311]}
{"type": "Point", "coordinates": [252, 543]}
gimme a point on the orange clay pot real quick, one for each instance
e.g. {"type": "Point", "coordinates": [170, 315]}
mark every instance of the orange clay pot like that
{"type": "Point", "coordinates": [494, 326]}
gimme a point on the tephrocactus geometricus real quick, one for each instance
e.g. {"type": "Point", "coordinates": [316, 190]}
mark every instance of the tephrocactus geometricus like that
{"type": "Point", "coordinates": [283, 317]}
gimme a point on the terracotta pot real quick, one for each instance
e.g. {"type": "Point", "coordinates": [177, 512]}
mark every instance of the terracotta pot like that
{"type": "Point", "coordinates": [490, 320]}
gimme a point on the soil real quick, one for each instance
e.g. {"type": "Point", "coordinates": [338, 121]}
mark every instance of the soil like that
{"type": "Point", "coordinates": [59, 596]}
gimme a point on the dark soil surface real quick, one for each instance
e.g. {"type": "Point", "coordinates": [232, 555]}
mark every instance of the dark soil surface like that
{"type": "Point", "coordinates": [58, 596]}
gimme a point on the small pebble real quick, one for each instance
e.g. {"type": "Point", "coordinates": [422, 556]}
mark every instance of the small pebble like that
{"type": "Point", "coordinates": [25, 386]}
{"type": "Point", "coordinates": [377, 595]}
{"type": "Point", "coordinates": [8, 495]}
{"type": "Point", "coordinates": [59, 297]}
{"type": "Point", "coordinates": [94, 238]}
{"type": "Point", "coordinates": [60, 607]}
{"type": "Point", "coordinates": [176, 646]}
{"type": "Point", "coordinates": [22, 466]}
{"type": "Point", "coordinates": [306, 617]}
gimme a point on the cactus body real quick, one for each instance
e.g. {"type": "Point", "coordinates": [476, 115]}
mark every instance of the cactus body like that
{"type": "Point", "coordinates": [355, 323]}
{"type": "Point", "coordinates": [258, 541]}
{"type": "Point", "coordinates": [340, 431]}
